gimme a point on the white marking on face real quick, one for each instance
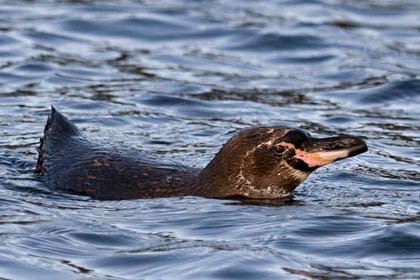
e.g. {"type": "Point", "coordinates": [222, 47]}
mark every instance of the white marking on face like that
{"type": "Point", "coordinates": [248, 189]}
{"type": "Point", "coordinates": [242, 181]}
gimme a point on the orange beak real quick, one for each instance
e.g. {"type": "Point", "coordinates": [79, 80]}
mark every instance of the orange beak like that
{"type": "Point", "coordinates": [318, 152]}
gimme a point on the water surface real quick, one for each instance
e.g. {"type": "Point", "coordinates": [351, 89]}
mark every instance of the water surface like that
{"type": "Point", "coordinates": [177, 79]}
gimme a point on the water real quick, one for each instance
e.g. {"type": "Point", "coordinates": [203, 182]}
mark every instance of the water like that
{"type": "Point", "coordinates": [177, 79]}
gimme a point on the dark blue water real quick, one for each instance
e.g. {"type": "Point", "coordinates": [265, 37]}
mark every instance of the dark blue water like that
{"type": "Point", "coordinates": [177, 79]}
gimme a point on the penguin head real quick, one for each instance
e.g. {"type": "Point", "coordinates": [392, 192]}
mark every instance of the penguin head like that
{"type": "Point", "coordinates": [270, 162]}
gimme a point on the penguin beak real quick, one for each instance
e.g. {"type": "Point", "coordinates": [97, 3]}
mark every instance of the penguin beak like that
{"type": "Point", "coordinates": [318, 152]}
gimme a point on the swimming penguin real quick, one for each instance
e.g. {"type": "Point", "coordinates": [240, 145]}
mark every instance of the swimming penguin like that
{"type": "Point", "coordinates": [266, 162]}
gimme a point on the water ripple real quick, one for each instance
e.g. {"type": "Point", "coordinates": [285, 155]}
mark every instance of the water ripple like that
{"type": "Point", "coordinates": [177, 79]}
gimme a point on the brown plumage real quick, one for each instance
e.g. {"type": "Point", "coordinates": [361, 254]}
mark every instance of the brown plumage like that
{"type": "Point", "coordinates": [260, 163]}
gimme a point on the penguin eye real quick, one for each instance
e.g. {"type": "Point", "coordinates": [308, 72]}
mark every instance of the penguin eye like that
{"type": "Point", "coordinates": [279, 149]}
